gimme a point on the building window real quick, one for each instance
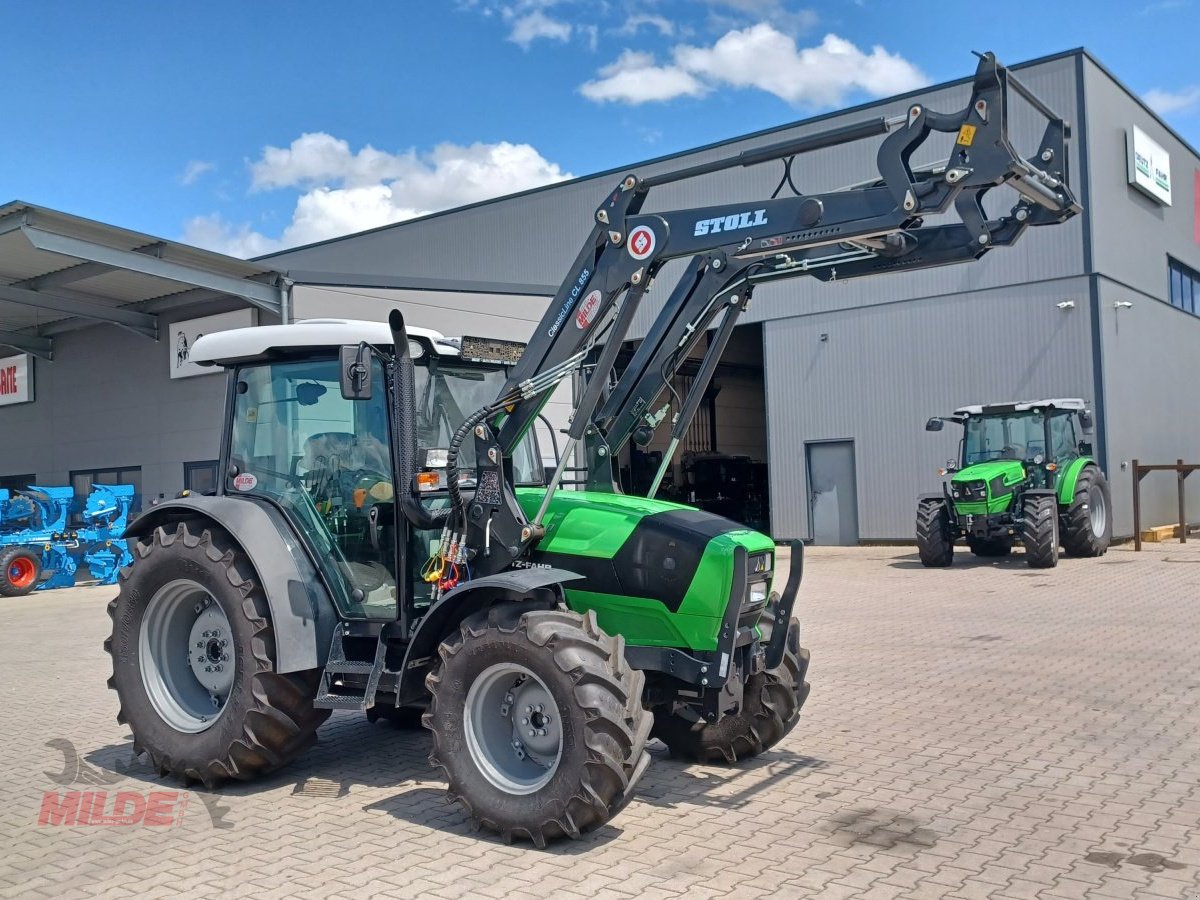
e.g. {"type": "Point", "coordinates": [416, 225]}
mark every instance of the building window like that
{"type": "Point", "coordinates": [200, 477]}
{"type": "Point", "coordinates": [1185, 286]}
{"type": "Point", "coordinates": [82, 481]}
{"type": "Point", "coordinates": [14, 483]}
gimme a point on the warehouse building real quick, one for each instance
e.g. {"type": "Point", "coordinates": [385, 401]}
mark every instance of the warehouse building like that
{"type": "Point", "coordinates": [814, 428]}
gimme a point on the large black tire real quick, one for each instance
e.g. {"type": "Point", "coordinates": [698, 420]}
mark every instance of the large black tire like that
{"type": "Point", "coordinates": [989, 548]}
{"type": "Point", "coordinates": [267, 718]}
{"type": "Point", "coordinates": [770, 710]}
{"type": "Point", "coordinates": [1087, 522]}
{"type": "Point", "coordinates": [935, 543]}
{"type": "Point", "coordinates": [20, 569]}
{"type": "Point", "coordinates": [597, 696]}
{"type": "Point", "coordinates": [1039, 533]}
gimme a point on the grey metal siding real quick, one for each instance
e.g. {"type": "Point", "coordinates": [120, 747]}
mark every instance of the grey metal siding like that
{"type": "Point", "coordinates": [1134, 234]}
{"type": "Point", "coordinates": [882, 371]}
{"type": "Point", "coordinates": [1152, 408]}
{"type": "Point", "coordinates": [108, 401]}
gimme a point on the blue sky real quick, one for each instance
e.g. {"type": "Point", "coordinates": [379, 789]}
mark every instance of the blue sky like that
{"type": "Point", "coordinates": [246, 127]}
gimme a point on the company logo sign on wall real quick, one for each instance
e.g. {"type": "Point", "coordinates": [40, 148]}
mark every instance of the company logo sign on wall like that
{"type": "Point", "coordinates": [185, 334]}
{"type": "Point", "coordinates": [16, 380]}
{"type": "Point", "coordinates": [1149, 165]}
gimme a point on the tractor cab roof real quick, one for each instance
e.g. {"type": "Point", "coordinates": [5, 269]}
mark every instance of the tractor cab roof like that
{"type": "Point", "coordinates": [994, 409]}
{"type": "Point", "coordinates": [244, 344]}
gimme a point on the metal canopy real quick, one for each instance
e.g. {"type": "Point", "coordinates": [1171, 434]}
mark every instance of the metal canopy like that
{"type": "Point", "coordinates": [60, 272]}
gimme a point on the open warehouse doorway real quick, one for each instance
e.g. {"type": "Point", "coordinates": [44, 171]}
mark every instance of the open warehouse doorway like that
{"type": "Point", "coordinates": [721, 464]}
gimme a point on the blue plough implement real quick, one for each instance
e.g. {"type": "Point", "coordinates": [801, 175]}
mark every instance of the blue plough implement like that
{"type": "Point", "coordinates": [39, 550]}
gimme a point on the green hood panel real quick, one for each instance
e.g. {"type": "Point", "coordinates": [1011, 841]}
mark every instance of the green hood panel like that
{"type": "Point", "coordinates": [1011, 469]}
{"type": "Point", "coordinates": [1002, 477]}
{"type": "Point", "coordinates": [658, 573]}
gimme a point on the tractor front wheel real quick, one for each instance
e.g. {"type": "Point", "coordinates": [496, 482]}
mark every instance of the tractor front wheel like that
{"type": "Point", "coordinates": [20, 568]}
{"type": "Point", "coordinates": [771, 703]}
{"type": "Point", "coordinates": [1040, 532]}
{"type": "Point", "coordinates": [935, 542]}
{"type": "Point", "coordinates": [1087, 524]}
{"type": "Point", "coordinates": [193, 659]}
{"type": "Point", "coordinates": [537, 720]}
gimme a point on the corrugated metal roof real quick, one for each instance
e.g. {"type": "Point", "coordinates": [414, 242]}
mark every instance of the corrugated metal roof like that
{"type": "Point", "coordinates": [53, 262]}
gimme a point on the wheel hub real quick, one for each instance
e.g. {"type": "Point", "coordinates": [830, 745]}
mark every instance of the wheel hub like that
{"type": "Point", "coordinates": [186, 653]}
{"type": "Point", "coordinates": [512, 728]}
{"type": "Point", "coordinates": [210, 656]}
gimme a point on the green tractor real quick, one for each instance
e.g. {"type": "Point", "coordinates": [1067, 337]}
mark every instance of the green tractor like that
{"type": "Point", "coordinates": [385, 538]}
{"type": "Point", "coordinates": [1025, 474]}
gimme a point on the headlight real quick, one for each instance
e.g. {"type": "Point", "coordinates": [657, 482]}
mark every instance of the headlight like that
{"type": "Point", "coordinates": [758, 593]}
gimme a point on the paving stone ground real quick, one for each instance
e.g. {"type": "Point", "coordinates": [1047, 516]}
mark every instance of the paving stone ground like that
{"type": "Point", "coordinates": [983, 731]}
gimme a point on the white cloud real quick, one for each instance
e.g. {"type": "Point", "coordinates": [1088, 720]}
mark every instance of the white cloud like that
{"type": "Point", "coordinates": [530, 27]}
{"type": "Point", "coordinates": [631, 25]}
{"type": "Point", "coordinates": [764, 58]}
{"type": "Point", "coordinates": [212, 232]}
{"type": "Point", "coordinates": [730, 14]}
{"type": "Point", "coordinates": [1183, 100]}
{"type": "Point", "coordinates": [635, 78]}
{"type": "Point", "coordinates": [194, 169]}
{"type": "Point", "coordinates": [345, 192]}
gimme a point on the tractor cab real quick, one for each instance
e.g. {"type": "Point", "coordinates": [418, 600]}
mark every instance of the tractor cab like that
{"type": "Point", "coordinates": [1012, 455]}
{"type": "Point", "coordinates": [296, 441]}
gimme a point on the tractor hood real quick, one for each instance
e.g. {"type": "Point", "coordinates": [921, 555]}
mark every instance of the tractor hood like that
{"type": "Point", "coordinates": [1012, 470]}
{"type": "Point", "coordinates": [986, 488]}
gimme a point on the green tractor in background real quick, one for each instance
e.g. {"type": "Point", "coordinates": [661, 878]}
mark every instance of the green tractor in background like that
{"type": "Point", "coordinates": [1025, 473]}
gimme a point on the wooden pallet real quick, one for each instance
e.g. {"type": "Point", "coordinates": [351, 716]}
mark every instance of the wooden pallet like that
{"type": "Point", "coordinates": [1160, 533]}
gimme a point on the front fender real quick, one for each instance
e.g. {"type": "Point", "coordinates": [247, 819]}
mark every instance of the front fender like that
{"type": "Point", "coordinates": [302, 612]}
{"type": "Point", "coordinates": [539, 588]}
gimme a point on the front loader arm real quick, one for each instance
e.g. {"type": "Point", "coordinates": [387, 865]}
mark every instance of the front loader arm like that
{"type": "Point", "coordinates": [864, 229]}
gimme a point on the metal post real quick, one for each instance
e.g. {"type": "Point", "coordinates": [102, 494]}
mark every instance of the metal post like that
{"type": "Point", "coordinates": [1137, 508]}
{"type": "Point", "coordinates": [662, 468]}
{"type": "Point", "coordinates": [1180, 474]}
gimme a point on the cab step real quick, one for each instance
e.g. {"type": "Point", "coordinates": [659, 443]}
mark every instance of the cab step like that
{"type": "Point", "coordinates": [331, 695]}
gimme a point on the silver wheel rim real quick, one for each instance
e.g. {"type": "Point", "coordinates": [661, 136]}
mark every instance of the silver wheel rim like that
{"type": "Point", "coordinates": [512, 728]}
{"type": "Point", "coordinates": [1098, 510]}
{"type": "Point", "coordinates": [187, 657]}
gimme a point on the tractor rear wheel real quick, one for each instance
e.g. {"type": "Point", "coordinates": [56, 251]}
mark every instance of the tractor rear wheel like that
{"type": "Point", "coordinates": [1087, 524]}
{"type": "Point", "coordinates": [1040, 532]}
{"type": "Point", "coordinates": [537, 720]}
{"type": "Point", "coordinates": [935, 543]}
{"type": "Point", "coordinates": [989, 548]}
{"type": "Point", "coordinates": [20, 568]}
{"type": "Point", "coordinates": [770, 710]}
{"type": "Point", "coordinates": [193, 658]}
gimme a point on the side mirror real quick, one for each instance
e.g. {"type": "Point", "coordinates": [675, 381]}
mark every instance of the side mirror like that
{"type": "Point", "coordinates": [934, 424]}
{"type": "Point", "coordinates": [355, 371]}
{"type": "Point", "coordinates": [1086, 422]}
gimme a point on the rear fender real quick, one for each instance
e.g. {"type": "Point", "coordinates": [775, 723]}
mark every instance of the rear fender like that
{"type": "Point", "coordinates": [539, 588]}
{"type": "Point", "coordinates": [1066, 484]}
{"type": "Point", "coordinates": [302, 612]}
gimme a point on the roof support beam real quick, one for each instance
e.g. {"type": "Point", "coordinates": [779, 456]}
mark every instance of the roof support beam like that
{"type": "Point", "coordinates": [264, 296]}
{"type": "Point", "coordinates": [12, 223]}
{"type": "Point", "coordinates": [142, 323]}
{"type": "Point", "coordinates": [41, 347]}
{"type": "Point", "coordinates": [80, 272]}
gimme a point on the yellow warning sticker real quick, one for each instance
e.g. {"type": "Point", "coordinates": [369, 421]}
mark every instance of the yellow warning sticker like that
{"type": "Point", "coordinates": [966, 135]}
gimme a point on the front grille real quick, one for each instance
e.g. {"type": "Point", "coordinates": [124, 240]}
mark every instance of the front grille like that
{"type": "Point", "coordinates": [969, 490]}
